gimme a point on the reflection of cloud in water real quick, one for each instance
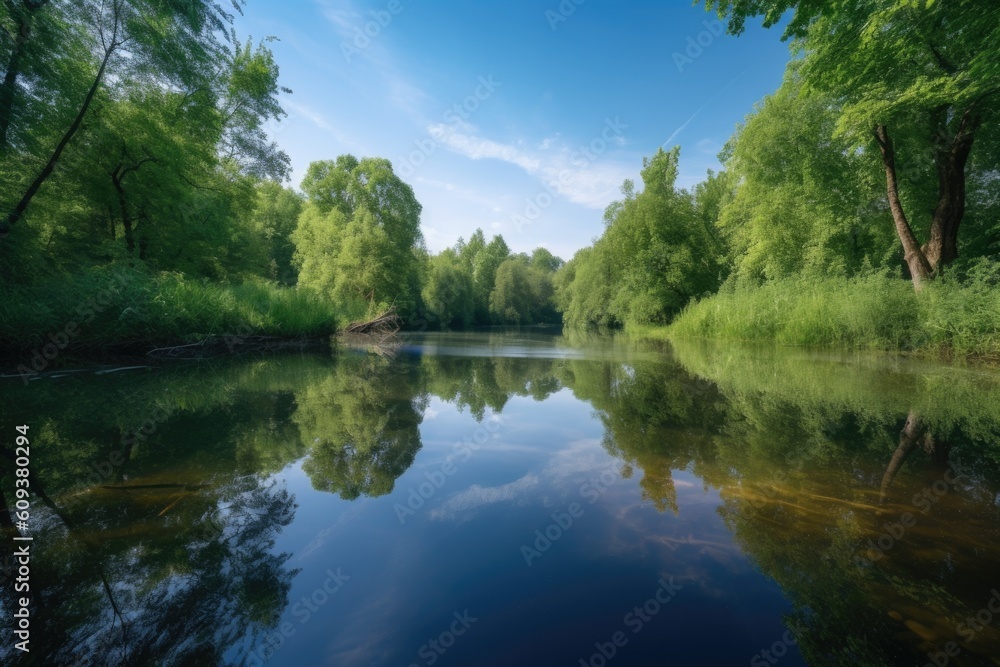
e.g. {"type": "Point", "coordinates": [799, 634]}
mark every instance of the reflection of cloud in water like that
{"type": "Point", "coordinates": [578, 461]}
{"type": "Point", "coordinates": [477, 496]}
{"type": "Point", "coordinates": [362, 637]}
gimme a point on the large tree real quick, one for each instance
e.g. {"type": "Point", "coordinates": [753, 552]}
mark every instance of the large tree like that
{"type": "Point", "coordinates": [920, 74]}
{"type": "Point", "coordinates": [70, 55]}
{"type": "Point", "coordinates": [358, 237]}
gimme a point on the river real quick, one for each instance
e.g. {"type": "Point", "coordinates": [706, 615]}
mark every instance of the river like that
{"type": "Point", "coordinates": [512, 498]}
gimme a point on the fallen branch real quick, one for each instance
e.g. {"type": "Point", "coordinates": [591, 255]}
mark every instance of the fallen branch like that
{"type": "Point", "coordinates": [384, 324]}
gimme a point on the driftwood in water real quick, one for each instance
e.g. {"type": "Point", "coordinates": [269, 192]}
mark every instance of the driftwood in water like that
{"type": "Point", "coordinates": [376, 335]}
{"type": "Point", "coordinates": [386, 324]}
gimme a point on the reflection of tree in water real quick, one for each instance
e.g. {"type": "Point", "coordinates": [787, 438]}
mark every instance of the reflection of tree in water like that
{"type": "Point", "coordinates": [656, 418]}
{"type": "Point", "coordinates": [361, 424]}
{"type": "Point", "coordinates": [164, 523]}
{"type": "Point", "coordinates": [802, 454]}
{"type": "Point", "coordinates": [818, 459]}
{"type": "Point", "coordinates": [488, 382]}
{"type": "Point", "coordinates": [158, 574]}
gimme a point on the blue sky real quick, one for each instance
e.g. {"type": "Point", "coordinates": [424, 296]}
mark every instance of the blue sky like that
{"type": "Point", "coordinates": [523, 117]}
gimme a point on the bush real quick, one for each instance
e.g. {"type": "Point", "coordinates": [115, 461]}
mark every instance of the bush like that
{"type": "Point", "coordinates": [871, 312]}
{"type": "Point", "coordinates": [115, 305]}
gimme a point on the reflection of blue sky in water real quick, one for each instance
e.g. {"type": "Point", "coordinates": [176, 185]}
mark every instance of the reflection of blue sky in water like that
{"type": "Point", "coordinates": [756, 479]}
{"type": "Point", "coordinates": [462, 550]}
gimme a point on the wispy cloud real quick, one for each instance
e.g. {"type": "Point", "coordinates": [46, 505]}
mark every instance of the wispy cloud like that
{"type": "Point", "coordinates": [579, 175]}
{"type": "Point", "coordinates": [478, 148]}
{"type": "Point", "coordinates": [477, 496]}
{"type": "Point", "coordinates": [317, 119]}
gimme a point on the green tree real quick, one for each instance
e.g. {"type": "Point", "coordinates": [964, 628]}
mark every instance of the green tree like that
{"type": "Point", "coordinates": [656, 254]}
{"type": "Point", "coordinates": [177, 44]}
{"type": "Point", "coordinates": [544, 260]}
{"type": "Point", "coordinates": [447, 291]}
{"type": "Point", "coordinates": [358, 234]}
{"type": "Point", "coordinates": [917, 81]}
{"type": "Point", "coordinates": [511, 298]}
{"type": "Point", "coordinates": [275, 216]}
{"type": "Point", "coordinates": [804, 201]}
{"type": "Point", "coordinates": [484, 271]}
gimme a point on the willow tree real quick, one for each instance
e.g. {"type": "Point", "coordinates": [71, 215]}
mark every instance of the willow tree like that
{"type": "Point", "coordinates": [359, 234]}
{"type": "Point", "coordinates": [917, 73]}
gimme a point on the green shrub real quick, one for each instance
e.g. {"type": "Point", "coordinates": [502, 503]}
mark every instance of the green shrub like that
{"type": "Point", "coordinates": [871, 312]}
{"type": "Point", "coordinates": [115, 305]}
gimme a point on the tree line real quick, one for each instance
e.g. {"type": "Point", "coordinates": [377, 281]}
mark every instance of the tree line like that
{"type": "Point", "coordinates": [134, 134]}
{"type": "Point", "coordinates": [878, 154]}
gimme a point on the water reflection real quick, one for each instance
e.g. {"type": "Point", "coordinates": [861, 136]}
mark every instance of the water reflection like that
{"type": "Point", "coordinates": [865, 487]}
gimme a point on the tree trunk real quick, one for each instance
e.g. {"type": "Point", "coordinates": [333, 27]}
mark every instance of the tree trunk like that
{"type": "Point", "coordinates": [950, 157]}
{"type": "Point", "coordinates": [951, 153]}
{"type": "Point", "coordinates": [916, 261]}
{"type": "Point", "coordinates": [116, 181]}
{"type": "Point", "coordinates": [913, 432]}
{"type": "Point", "coordinates": [15, 215]}
{"type": "Point", "coordinates": [9, 86]}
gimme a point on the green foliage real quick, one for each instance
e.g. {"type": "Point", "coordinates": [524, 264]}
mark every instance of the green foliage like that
{"type": "Point", "coordinates": [275, 217]}
{"type": "Point", "coordinates": [511, 298]}
{"type": "Point", "coordinates": [485, 264]}
{"type": "Point", "coordinates": [867, 312]}
{"type": "Point", "coordinates": [655, 255]}
{"type": "Point", "coordinates": [118, 305]}
{"type": "Point", "coordinates": [805, 202]}
{"type": "Point", "coordinates": [358, 236]}
{"type": "Point", "coordinates": [926, 73]}
{"type": "Point", "coordinates": [523, 291]}
{"type": "Point", "coordinates": [447, 291]}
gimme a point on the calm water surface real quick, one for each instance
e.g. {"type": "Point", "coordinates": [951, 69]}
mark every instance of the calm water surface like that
{"type": "Point", "coordinates": [513, 498]}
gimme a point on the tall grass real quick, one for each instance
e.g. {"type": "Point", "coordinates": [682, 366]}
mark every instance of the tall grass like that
{"type": "Point", "coordinates": [118, 305]}
{"type": "Point", "coordinates": [872, 312]}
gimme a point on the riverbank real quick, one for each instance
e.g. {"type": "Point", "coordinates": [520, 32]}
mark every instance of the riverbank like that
{"type": "Point", "coordinates": [130, 310]}
{"type": "Point", "coordinates": [946, 318]}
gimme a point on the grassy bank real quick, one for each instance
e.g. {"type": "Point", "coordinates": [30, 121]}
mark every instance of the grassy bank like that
{"type": "Point", "coordinates": [873, 312]}
{"type": "Point", "coordinates": [112, 307]}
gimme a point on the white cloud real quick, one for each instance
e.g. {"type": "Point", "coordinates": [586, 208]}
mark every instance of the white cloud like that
{"type": "Point", "coordinates": [477, 496]}
{"type": "Point", "coordinates": [477, 148]}
{"type": "Point", "coordinates": [590, 179]}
